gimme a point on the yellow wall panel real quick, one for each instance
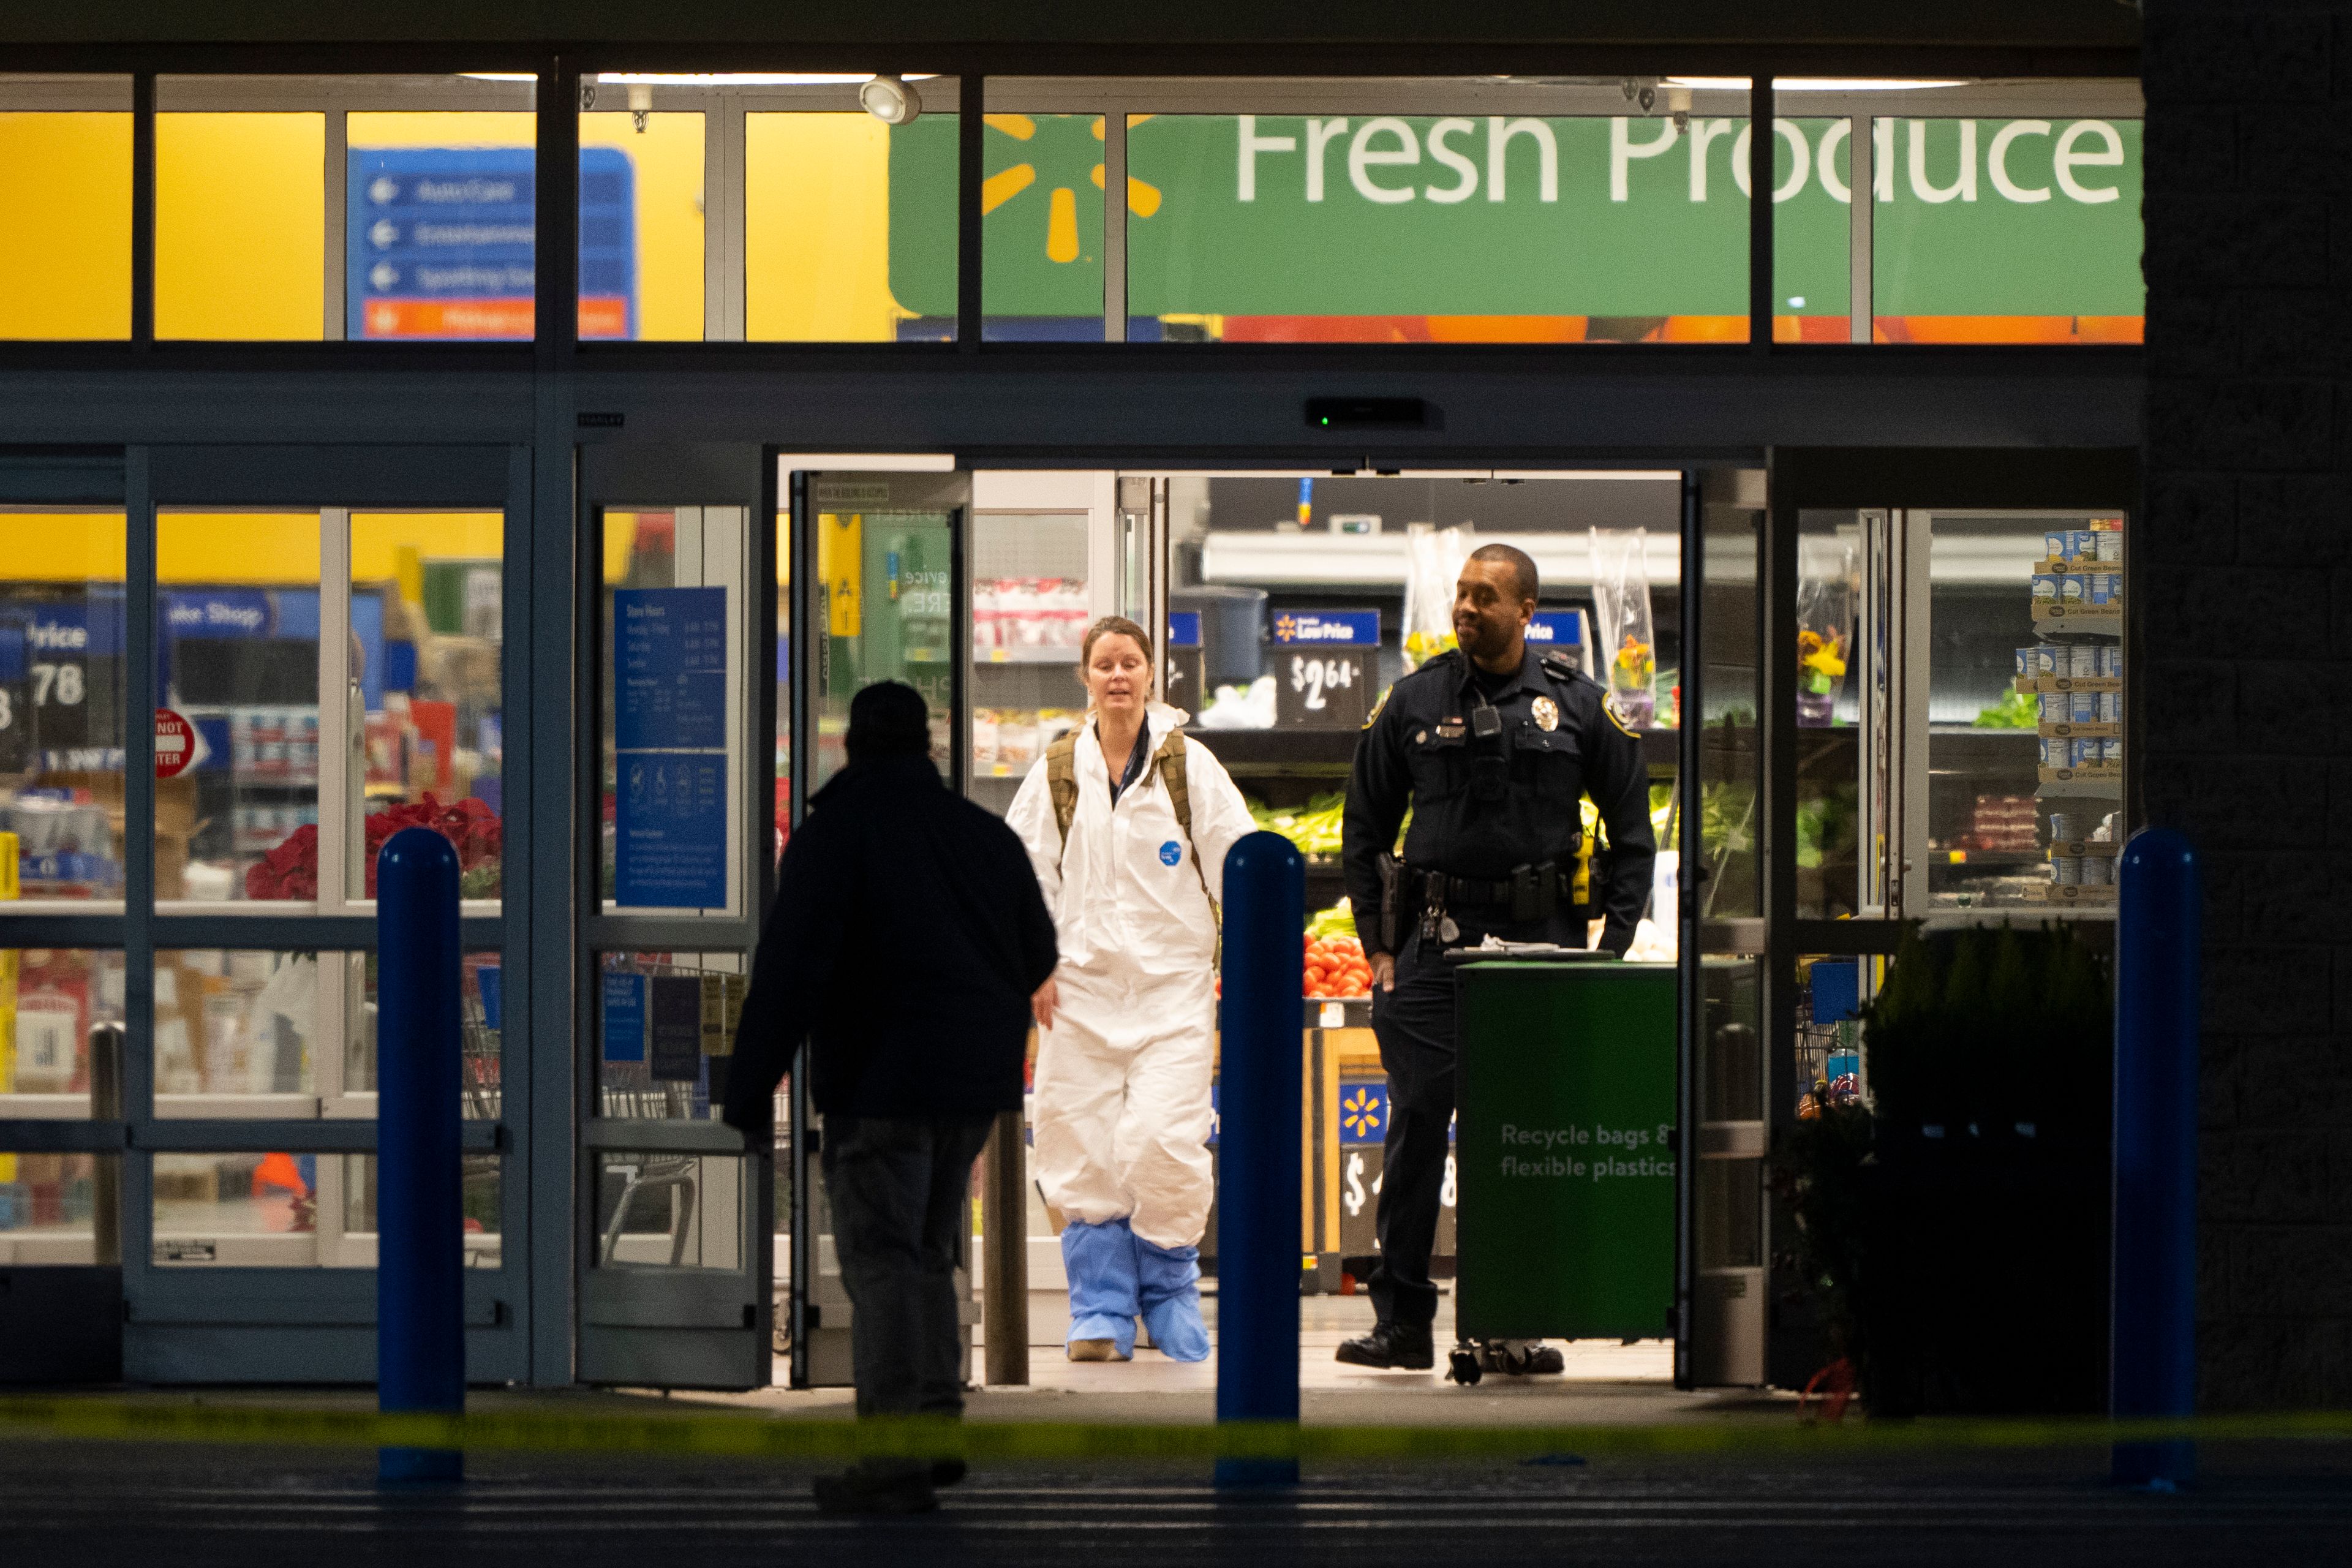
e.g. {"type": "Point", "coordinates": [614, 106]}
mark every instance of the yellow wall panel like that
{"type": "Point", "coordinates": [240, 225]}
{"type": "Point", "coordinates": [817, 230]}
{"type": "Point", "coordinates": [441, 128]}
{"type": "Point", "coordinates": [65, 237]}
{"type": "Point", "coordinates": [668, 158]}
{"type": "Point", "coordinates": [61, 547]}
{"type": "Point", "coordinates": [378, 537]}
{"type": "Point", "coordinates": [268, 549]}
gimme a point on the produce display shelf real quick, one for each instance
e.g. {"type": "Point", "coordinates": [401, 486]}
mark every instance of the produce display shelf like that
{"type": "Point", "coordinates": [1024, 656]}
{"type": "Point", "coordinates": [2105, 618]}
{"type": "Point", "coordinates": [1336, 1013]}
{"type": "Point", "coordinates": [2032, 684]}
{"type": "Point", "coordinates": [2073, 732]}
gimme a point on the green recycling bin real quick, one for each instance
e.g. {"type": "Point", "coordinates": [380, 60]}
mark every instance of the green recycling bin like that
{"type": "Point", "coordinates": [1564, 1150]}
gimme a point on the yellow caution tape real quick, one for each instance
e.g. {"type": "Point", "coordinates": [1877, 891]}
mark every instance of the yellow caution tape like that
{"type": "Point", "coordinates": [793, 1438]}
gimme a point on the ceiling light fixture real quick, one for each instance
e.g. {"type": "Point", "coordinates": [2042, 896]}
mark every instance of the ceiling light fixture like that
{"type": "Point", "coordinates": [889, 99]}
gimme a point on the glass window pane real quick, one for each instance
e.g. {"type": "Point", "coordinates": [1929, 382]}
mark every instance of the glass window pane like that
{"type": "Point", "coordinates": [1812, 230]}
{"type": "Point", "coordinates": [640, 224]}
{"type": "Point", "coordinates": [50, 1000]}
{"type": "Point", "coordinates": [2008, 230]}
{"type": "Point", "coordinates": [65, 187]}
{"type": "Point", "coordinates": [61, 694]}
{"type": "Point", "coordinates": [904, 632]}
{"type": "Point", "coordinates": [670, 1211]}
{"type": "Point", "coordinates": [240, 225]}
{"type": "Point", "coordinates": [50, 1209]}
{"type": "Point", "coordinates": [287, 1210]}
{"type": "Point", "coordinates": [1029, 617]}
{"type": "Point", "coordinates": [666, 1028]}
{"type": "Point", "coordinates": [423, 714]}
{"type": "Point", "coordinates": [480, 1010]}
{"type": "Point", "coordinates": [1836, 659]}
{"type": "Point", "coordinates": [1041, 200]}
{"type": "Point", "coordinates": [2026, 693]}
{"type": "Point", "coordinates": [850, 225]}
{"type": "Point", "coordinates": [245, 1033]}
{"type": "Point", "coordinates": [237, 657]}
{"type": "Point", "coordinates": [1427, 228]}
{"type": "Point", "coordinates": [672, 695]}
{"type": "Point", "coordinates": [437, 232]}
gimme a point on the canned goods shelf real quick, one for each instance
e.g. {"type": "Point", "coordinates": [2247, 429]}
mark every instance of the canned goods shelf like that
{"type": "Point", "coordinates": [2073, 732]}
{"type": "Point", "coordinates": [2108, 618]}
{"type": "Point", "coordinates": [2088, 847]}
{"type": "Point", "coordinates": [2072, 565]}
{"type": "Point", "coordinates": [2032, 684]}
{"type": "Point", "coordinates": [2102, 779]}
{"type": "Point", "coordinates": [2054, 894]}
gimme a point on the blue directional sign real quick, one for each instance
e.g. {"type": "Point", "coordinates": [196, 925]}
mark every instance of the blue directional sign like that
{"type": "Point", "coordinates": [439, 243]}
{"type": "Point", "coordinates": [670, 669]}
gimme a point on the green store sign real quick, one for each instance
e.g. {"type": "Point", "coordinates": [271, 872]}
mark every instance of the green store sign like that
{"type": "Point", "coordinates": [1421, 214]}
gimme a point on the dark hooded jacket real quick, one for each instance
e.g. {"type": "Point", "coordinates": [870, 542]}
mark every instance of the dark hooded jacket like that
{"type": "Point", "coordinates": [907, 937]}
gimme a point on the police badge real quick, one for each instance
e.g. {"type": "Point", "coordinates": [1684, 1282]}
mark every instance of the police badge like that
{"type": "Point", "coordinates": [1547, 713]}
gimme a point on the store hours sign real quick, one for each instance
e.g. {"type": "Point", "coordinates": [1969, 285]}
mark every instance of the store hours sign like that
{"type": "Point", "coordinates": [1326, 663]}
{"type": "Point", "coordinates": [669, 808]}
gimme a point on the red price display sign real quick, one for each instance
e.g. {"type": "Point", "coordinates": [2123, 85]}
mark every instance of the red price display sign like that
{"type": "Point", "coordinates": [176, 744]}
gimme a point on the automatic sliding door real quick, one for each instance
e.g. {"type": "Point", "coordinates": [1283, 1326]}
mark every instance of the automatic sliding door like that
{"type": "Point", "coordinates": [677, 610]}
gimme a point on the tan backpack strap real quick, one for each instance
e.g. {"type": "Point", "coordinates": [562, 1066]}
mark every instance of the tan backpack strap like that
{"type": "Point", "coordinates": [1062, 781]}
{"type": "Point", "coordinates": [1171, 765]}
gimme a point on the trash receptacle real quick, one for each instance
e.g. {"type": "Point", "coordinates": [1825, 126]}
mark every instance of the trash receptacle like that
{"type": "Point", "coordinates": [1564, 1149]}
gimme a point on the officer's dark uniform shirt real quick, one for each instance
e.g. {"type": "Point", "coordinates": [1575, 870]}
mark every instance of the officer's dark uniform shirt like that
{"type": "Point", "coordinates": [1421, 749]}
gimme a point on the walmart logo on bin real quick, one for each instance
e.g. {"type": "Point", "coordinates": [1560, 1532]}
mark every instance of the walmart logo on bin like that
{"type": "Point", "coordinates": [1347, 628]}
{"type": "Point", "coordinates": [439, 243]}
{"type": "Point", "coordinates": [1363, 1111]}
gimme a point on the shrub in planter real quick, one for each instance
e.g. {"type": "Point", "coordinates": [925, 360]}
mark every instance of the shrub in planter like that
{"type": "Point", "coordinates": [1956, 1230]}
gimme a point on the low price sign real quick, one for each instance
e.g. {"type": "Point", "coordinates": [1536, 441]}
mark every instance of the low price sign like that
{"type": "Point", "coordinates": [1326, 662]}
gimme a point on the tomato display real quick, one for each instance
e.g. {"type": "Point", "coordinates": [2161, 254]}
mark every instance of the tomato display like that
{"type": "Point", "coordinates": [1336, 968]}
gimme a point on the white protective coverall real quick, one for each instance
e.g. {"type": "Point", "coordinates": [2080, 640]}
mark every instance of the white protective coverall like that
{"type": "Point", "coordinates": [1121, 1112]}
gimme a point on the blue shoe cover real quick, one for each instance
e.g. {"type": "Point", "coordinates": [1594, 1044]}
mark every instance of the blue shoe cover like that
{"type": "Point", "coordinates": [1168, 1280]}
{"type": "Point", "coordinates": [1100, 1262]}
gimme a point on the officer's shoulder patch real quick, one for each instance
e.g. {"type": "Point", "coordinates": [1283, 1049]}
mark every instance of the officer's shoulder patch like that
{"type": "Point", "coordinates": [1378, 703]}
{"type": "Point", "coordinates": [1617, 716]}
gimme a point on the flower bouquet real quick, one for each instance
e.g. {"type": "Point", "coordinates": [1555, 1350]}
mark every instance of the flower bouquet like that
{"type": "Point", "coordinates": [291, 870]}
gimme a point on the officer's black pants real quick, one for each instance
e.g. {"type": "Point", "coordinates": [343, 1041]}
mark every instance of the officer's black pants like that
{"type": "Point", "coordinates": [1415, 1027]}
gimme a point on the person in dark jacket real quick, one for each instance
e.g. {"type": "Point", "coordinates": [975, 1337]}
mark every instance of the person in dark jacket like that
{"type": "Point", "coordinates": [908, 945]}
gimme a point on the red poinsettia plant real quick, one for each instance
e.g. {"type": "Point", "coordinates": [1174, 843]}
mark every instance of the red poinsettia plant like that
{"type": "Point", "coordinates": [292, 871]}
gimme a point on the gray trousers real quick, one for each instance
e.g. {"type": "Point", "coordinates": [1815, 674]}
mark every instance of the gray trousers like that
{"type": "Point", "coordinates": [900, 1192]}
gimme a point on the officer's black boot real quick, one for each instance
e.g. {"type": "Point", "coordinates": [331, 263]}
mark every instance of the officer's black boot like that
{"type": "Point", "coordinates": [1391, 1344]}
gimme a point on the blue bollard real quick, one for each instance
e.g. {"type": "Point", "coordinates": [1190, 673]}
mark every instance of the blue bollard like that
{"type": "Point", "coordinates": [420, 1253]}
{"type": "Point", "coordinates": [2153, 1330]}
{"type": "Point", "coordinates": [1257, 1148]}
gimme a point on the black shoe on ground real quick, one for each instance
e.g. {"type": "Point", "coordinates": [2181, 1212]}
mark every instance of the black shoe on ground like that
{"type": "Point", "coordinates": [1544, 1358]}
{"type": "Point", "coordinates": [1396, 1345]}
{"type": "Point", "coordinates": [872, 1492]}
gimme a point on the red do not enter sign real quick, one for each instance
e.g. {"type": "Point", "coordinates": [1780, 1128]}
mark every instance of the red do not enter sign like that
{"type": "Point", "coordinates": [176, 744]}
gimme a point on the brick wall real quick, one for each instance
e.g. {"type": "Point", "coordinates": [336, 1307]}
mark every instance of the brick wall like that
{"type": "Point", "coordinates": [2244, 575]}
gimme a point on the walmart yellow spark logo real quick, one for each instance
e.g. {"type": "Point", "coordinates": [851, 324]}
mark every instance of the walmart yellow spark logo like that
{"type": "Point", "coordinates": [1285, 628]}
{"type": "Point", "coordinates": [1051, 143]}
{"type": "Point", "coordinates": [1360, 1112]}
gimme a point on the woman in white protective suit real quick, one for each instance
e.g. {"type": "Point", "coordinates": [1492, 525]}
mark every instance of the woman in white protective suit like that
{"type": "Point", "coordinates": [1128, 823]}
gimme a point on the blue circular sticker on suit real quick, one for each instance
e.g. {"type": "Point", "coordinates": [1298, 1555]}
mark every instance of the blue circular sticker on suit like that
{"type": "Point", "coordinates": [1170, 852]}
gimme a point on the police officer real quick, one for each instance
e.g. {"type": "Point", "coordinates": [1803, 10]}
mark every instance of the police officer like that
{"type": "Point", "coordinates": [1491, 744]}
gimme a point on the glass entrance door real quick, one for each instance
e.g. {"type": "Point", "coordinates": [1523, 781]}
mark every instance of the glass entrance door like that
{"type": "Point", "coordinates": [678, 619]}
{"type": "Point", "coordinates": [877, 574]}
